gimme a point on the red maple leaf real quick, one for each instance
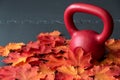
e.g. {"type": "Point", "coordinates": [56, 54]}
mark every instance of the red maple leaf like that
{"type": "Point", "coordinates": [7, 73]}
{"type": "Point", "coordinates": [62, 76]}
{"type": "Point", "coordinates": [16, 58]}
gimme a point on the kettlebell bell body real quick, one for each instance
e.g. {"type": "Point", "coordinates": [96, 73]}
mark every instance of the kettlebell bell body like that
{"type": "Point", "coordinates": [90, 41]}
{"type": "Point", "coordinates": [87, 40]}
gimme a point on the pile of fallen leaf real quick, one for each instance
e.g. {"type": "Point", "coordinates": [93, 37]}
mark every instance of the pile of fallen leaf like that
{"type": "Point", "coordinates": [49, 58]}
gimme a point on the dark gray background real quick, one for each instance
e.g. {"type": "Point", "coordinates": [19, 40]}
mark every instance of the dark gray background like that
{"type": "Point", "coordinates": [22, 20]}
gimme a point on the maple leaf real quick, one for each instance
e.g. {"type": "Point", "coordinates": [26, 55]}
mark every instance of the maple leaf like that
{"type": "Point", "coordinates": [7, 73]}
{"type": "Point", "coordinates": [85, 74]}
{"type": "Point", "coordinates": [113, 47]}
{"type": "Point", "coordinates": [80, 59]}
{"type": "Point", "coordinates": [101, 74]}
{"type": "Point", "coordinates": [55, 62]}
{"type": "Point", "coordinates": [50, 77]}
{"type": "Point", "coordinates": [46, 73]}
{"type": "Point", "coordinates": [61, 51]}
{"type": "Point", "coordinates": [112, 58]}
{"type": "Point", "coordinates": [46, 39]}
{"type": "Point", "coordinates": [45, 49]}
{"type": "Point", "coordinates": [57, 49]}
{"type": "Point", "coordinates": [4, 51]}
{"type": "Point", "coordinates": [32, 45]}
{"type": "Point", "coordinates": [70, 70]}
{"type": "Point", "coordinates": [62, 76]}
{"type": "Point", "coordinates": [60, 41]}
{"type": "Point", "coordinates": [15, 58]}
{"type": "Point", "coordinates": [106, 72]}
{"type": "Point", "coordinates": [14, 46]}
{"type": "Point", "coordinates": [26, 72]}
{"type": "Point", "coordinates": [55, 33]}
{"type": "Point", "coordinates": [37, 47]}
{"type": "Point", "coordinates": [76, 73]}
{"type": "Point", "coordinates": [53, 39]}
{"type": "Point", "coordinates": [113, 44]}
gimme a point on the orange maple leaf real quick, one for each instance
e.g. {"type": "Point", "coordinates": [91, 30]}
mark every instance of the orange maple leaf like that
{"type": "Point", "coordinates": [79, 59]}
{"type": "Point", "coordinates": [113, 44]}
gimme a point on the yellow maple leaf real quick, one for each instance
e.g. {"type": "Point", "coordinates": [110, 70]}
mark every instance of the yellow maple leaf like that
{"type": "Point", "coordinates": [67, 70]}
{"type": "Point", "coordinates": [104, 74]}
{"type": "Point", "coordinates": [111, 58]}
{"type": "Point", "coordinates": [19, 60]}
{"type": "Point", "coordinates": [55, 33]}
{"type": "Point", "coordinates": [4, 51]}
{"type": "Point", "coordinates": [46, 71]}
{"type": "Point", "coordinates": [113, 47]}
{"type": "Point", "coordinates": [14, 46]}
{"type": "Point", "coordinates": [113, 44]}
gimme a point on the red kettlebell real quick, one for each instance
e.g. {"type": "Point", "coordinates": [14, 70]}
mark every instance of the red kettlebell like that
{"type": "Point", "coordinates": [89, 40]}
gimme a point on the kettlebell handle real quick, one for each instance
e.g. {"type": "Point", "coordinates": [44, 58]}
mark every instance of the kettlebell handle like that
{"type": "Point", "coordinates": [90, 9]}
